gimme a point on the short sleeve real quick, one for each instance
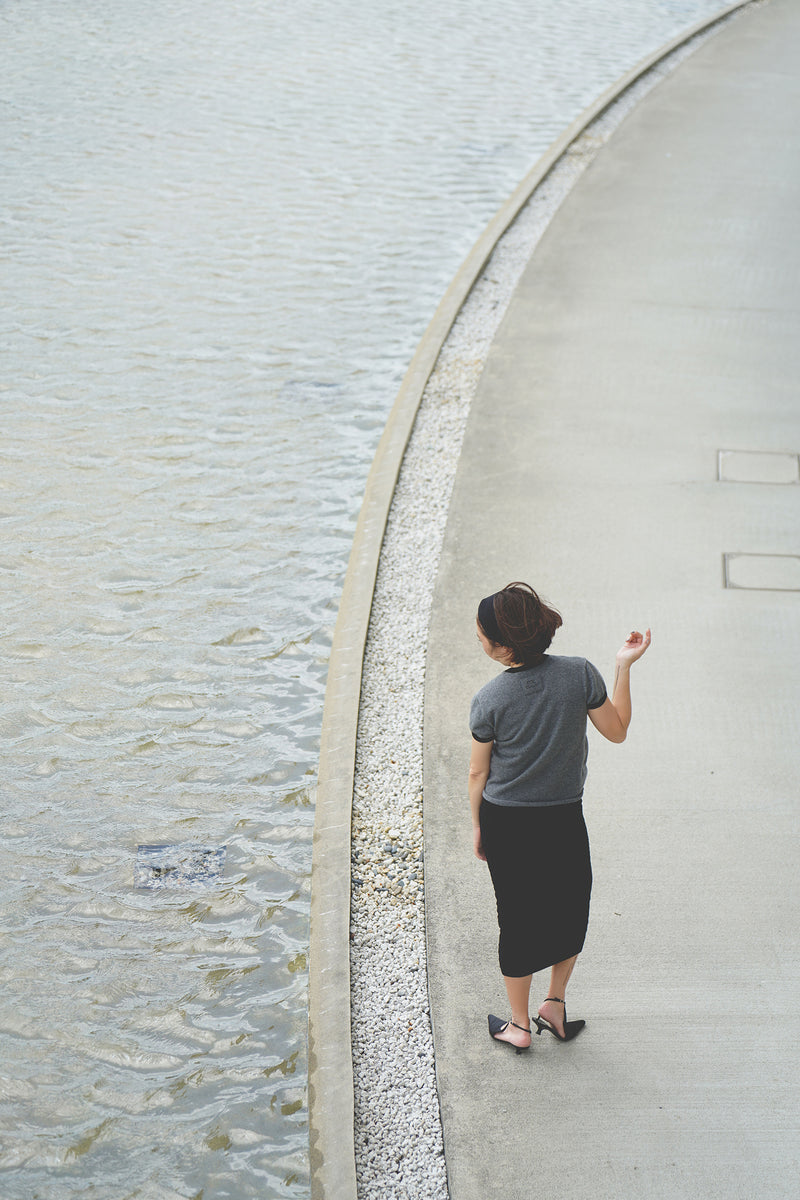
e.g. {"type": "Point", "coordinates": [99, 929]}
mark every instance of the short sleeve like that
{"type": "Point", "coordinates": [596, 693]}
{"type": "Point", "coordinates": [480, 722]}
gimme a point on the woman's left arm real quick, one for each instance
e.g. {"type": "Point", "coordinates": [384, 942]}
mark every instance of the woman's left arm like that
{"type": "Point", "coordinates": [479, 762]}
{"type": "Point", "coordinates": [614, 716]}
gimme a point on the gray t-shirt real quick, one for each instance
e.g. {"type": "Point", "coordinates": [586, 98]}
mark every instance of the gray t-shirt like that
{"type": "Point", "coordinates": [536, 718]}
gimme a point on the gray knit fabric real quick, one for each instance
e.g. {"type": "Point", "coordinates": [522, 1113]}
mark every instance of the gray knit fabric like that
{"type": "Point", "coordinates": [536, 717]}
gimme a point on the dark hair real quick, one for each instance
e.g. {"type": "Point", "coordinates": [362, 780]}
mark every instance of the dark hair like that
{"type": "Point", "coordinates": [524, 623]}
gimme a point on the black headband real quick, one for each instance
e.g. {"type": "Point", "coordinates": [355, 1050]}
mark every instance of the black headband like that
{"type": "Point", "coordinates": [488, 621]}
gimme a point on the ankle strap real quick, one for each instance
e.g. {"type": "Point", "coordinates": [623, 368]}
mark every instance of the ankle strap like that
{"type": "Point", "coordinates": [555, 999]}
{"type": "Point", "coordinates": [522, 1027]}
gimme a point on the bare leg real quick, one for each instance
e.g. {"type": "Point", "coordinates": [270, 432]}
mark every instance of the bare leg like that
{"type": "Point", "coordinates": [559, 978]}
{"type": "Point", "coordinates": [519, 990]}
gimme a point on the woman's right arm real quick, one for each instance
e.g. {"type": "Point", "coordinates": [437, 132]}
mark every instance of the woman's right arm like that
{"type": "Point", "coordinates": [479, 762]}
{"type": "Point", "coordinates": [613, 718]}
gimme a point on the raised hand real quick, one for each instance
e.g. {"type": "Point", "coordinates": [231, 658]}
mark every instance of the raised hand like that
{"type": "Point", "coordinates": [634, 647]}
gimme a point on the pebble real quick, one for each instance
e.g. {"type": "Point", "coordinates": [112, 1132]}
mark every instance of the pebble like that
{"type": "Point", "coordinates": [398, 1132]}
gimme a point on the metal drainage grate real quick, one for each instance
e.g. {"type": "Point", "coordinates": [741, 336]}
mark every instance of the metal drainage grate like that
{"type": "Point", "coordinates": [762, 572]}
{"type": "Point", "coordinates": [757, 466]}
{"type": "Point", "coordinates": [178, 866]}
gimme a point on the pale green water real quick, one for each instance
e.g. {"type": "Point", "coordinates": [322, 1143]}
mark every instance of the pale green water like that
{"type": "Point", "coordinates": [225, 227]}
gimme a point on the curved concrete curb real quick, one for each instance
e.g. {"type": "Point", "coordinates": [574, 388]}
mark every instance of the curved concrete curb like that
{"type": "Point", "coordinates": [331, 1097]}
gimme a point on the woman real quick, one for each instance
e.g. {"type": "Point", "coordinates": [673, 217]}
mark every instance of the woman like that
{"type": "Point", "coordinates": [526, 777]}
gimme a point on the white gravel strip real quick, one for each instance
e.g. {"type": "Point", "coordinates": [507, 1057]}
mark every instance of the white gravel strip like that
{"type": "Point", "coordinates": [398, 1133]}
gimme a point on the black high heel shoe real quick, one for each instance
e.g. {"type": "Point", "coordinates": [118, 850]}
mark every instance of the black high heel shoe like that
{"type": "Point", "coordinates": [497, 1026]}
{"type": "Point", "coordinates": [571, 1028]}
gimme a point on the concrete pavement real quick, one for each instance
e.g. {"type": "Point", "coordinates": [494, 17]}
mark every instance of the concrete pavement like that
{"type": "Point", "coordinates": [638, 421]}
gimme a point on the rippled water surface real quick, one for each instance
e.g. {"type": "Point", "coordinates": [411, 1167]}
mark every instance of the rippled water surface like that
{"type": "Point", "coordinates": [225, 226]}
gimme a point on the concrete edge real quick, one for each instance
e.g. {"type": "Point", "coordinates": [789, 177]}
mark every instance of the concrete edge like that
{"type": "Point", "coordinates": [330, 1067]}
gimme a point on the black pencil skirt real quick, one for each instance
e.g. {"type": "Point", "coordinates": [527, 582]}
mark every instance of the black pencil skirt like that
{"type": "Point", "coordinates": [541, 870]}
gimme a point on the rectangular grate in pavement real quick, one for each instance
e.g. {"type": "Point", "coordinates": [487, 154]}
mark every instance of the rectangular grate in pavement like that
{"type": "Point", "coordinates": [160, 867]}
{"type": "Point", "coordinates": [764, 572]}
{"type": "Point", "coordinates": [757, 466]}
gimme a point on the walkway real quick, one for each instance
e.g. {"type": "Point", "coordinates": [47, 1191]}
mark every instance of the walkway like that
{"type": "Point", "coordinates": [639, 420]}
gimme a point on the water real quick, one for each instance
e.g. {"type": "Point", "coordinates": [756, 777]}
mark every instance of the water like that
{"type": "Point", "coordinates": [225, 227]}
